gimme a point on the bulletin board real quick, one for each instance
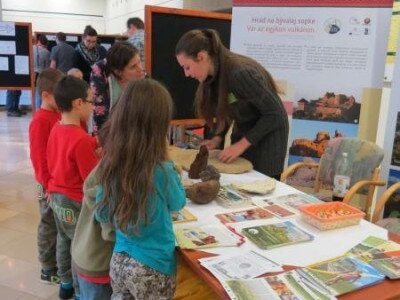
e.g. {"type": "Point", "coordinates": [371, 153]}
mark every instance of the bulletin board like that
{"type": "Point", "coordinates": [16, 63]}
{"type": "Point", "coordinates": [74, 38]}
{"type": "Point", "coordinates": [163, 29]}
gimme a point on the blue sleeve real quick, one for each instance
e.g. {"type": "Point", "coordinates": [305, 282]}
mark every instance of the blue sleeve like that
{"type": "Point", "coordinates": [101, 214]}
{"type": "Point", "coordinates": [176, 196]}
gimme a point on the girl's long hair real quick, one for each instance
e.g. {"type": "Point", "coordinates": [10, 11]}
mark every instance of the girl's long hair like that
{"type": "Point", "coordinates": [211, 100]}
{"type": "Point", "coordinates": [135, 145]}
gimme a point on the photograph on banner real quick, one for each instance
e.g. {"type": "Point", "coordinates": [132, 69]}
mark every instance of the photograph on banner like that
{"type": "Point", "coordinates": [322, 103]}
{"type": "Point", "coordinates": [310, 138]}
{"type": "Point", "coordinates": [396, 144]}
{"type": "Point", "coordinates": [392, 206]}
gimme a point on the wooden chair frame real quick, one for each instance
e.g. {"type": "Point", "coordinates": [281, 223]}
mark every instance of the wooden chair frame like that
{"type": "Point", "coordinates": [382, 201]}
{"type": "Point", "coordinates": [373, 182]}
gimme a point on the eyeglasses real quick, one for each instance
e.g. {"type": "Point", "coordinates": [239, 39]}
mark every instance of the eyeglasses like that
{"type": "Point", "coordinates": [90, 41]}
{"type": "Point", "coordinates": [138, 66]}
{"type": "Point", "coordinates": [88, 101]}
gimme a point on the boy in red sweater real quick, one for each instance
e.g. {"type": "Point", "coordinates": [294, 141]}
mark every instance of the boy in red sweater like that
{"type": "Point", "coordinates": [71, 157]}
{"type": "Point", "coordinates": [39, 130]}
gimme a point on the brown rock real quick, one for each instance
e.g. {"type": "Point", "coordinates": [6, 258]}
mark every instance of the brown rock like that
{"type": "Point", "coordinates": [203, 192]}
{"type": "Point", "coordinates": [209, 173]}
{"type": "Point", "coordinates": [199, 164]}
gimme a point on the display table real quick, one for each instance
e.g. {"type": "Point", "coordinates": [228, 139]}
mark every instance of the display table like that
{"type": "Point", "coordinates": [295, 255]}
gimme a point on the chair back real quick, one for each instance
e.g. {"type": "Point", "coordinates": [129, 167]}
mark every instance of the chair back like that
{"type": "Point", "coordinates": [364, 156]}
{"type": "Point", "coordinates": [393, 190]}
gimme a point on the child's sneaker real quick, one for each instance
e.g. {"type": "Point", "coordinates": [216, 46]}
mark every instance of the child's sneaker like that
{"type": "Point", "coordinates": [66, 291]}
{"type": "Point", "coordinates": [49, 277]}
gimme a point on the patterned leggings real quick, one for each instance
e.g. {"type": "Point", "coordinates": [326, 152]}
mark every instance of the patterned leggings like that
{"type": "Point", "coordinates": [132, 280]}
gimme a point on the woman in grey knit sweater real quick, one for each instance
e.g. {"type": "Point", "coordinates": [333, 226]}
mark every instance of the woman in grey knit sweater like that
{"type": "Point", "coordinates": [236, 88]}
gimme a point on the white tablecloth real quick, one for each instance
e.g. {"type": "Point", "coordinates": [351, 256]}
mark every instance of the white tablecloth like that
{"type": "Point", "coordinates": [326, 244]}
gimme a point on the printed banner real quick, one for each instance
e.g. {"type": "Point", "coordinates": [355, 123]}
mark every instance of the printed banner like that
{"type": "Point", "coordinates": [329, 55]}
{"type": "Point", "coordinates": [394, 32]}
{"type": "Point", "coordinates": [391, 162]}
{"type": "Point", "coordinates": [393, 41]}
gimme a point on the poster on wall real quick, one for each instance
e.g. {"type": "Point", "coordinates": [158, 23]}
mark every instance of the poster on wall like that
{"type": "Point", "coordinates": [394, 33]}
{"type": "Point", "coordinates": [391, 162]}
{"type": "Point", "coordinates": [393, 40]}
{"type": "Point", "coordinates": [395, 160]}
{"type": "Point", "coordinates": [331, 55]}
{"type": "Point", "coordinates": [392, 207]}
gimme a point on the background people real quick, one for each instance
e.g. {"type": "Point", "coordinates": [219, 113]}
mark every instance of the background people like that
{"type": "Point", "coordinates": [87, 52]}
{"type": "Point", "coordinates": [12, 103]}
{"type": "Point", "coordinates": [110, 76]}
{"type": "Point", "coordinates": [135, 32]}
{"type": "Point", "coordinates": [41, 61]}
{"type": "Point", "coordinates": [62, 55]}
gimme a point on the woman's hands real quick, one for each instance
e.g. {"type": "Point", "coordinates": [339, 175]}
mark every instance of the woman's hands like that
{"type": "Point", "coordinates": [213, 143]}
{"type": "Point", "coordinates": [232, 152]}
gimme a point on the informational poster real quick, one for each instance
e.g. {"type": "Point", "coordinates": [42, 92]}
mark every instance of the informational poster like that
{"type": "Point", "coordinates": [393, 41]}
{"type": "Point", "coordinates": [72, 38]}
{"type": "Point", "coordinates": [16, 67]}
{"type": "Point", "coordinates": [4, 63]}
{"type": "Point", "coordinates": [7, 48]}
{"type": "Point", "coordinates": [7, 28]}
{"type": "Point", "coordinates": [391, 162]}
{"type": "Point", "coordinates": [51, 37]}
{"type": "Point", "coordinates": [330, 54]}
{"type": "Point", "coordinates": [394, 32]}
{"type": "Point", "coordinates": [21, 63]}
{"type": "Point", "coordinates": [106, 45]}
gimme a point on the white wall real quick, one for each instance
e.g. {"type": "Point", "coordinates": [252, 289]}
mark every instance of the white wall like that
{"type": "Point", "coordinates": [209, 5]}
{"type": "Point", "coordinates": [46, 15]}
{"type": "Point", "coordinates": [118, 11]}
{"type": "Point", "coordinates": [49, 15]}
{"type": "Point", "coordinates": [106, 16]}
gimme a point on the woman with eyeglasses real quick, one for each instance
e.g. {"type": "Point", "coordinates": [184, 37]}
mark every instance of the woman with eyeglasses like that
{"type": "Point", "coordinates": [110, 76]}
{"type": "Point", "coordinates": [88, 52]}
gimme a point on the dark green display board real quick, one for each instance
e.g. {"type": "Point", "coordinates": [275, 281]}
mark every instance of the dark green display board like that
{"type": "Point", "coordinates": [164, 27]}
{"type": "Point", "coordinates": [23, 47]}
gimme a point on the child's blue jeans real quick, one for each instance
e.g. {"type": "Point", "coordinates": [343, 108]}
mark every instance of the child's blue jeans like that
{"type": "Point", "coordinates": [94, 291]}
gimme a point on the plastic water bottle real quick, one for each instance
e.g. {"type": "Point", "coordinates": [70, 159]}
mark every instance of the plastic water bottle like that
{"type": "Point", "coordinates": [341, 180]}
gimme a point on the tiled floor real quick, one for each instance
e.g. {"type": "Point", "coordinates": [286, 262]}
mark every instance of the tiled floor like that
{"type": "Point", "coordinates": [19, 267]}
